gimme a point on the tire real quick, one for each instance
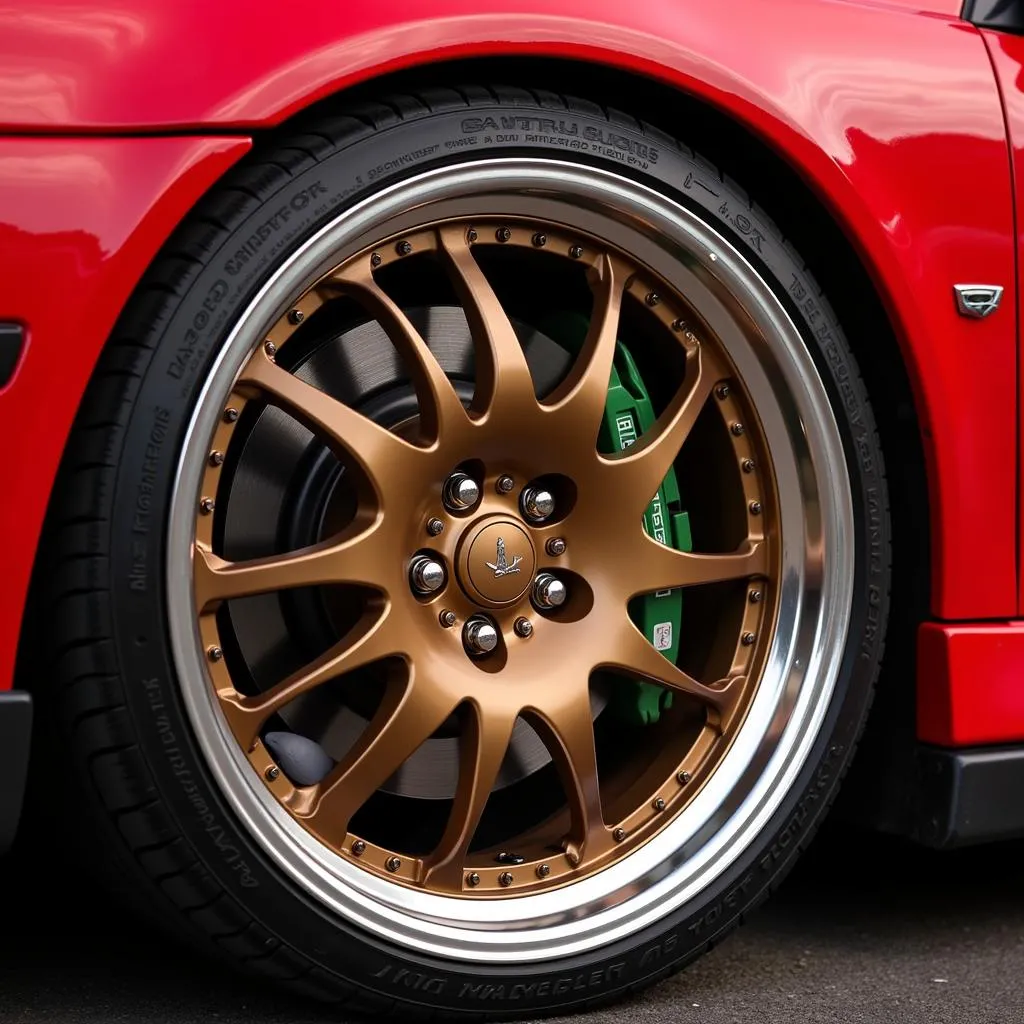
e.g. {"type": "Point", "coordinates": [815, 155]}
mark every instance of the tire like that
{"type": "Point", "coordinates": [179, 835]}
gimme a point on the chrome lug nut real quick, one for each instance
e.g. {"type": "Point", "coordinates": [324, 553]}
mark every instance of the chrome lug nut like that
{"type": "Point", "coordinates": [548, 591]}
{"type": "Point", "coordinates": [426, 574]}
{"type": "Point", "coordinates": [537, 504]}
{"type": "Point", "coordinates": [460, 492]}
{"type": "Point", "coordinates": [479, 636]}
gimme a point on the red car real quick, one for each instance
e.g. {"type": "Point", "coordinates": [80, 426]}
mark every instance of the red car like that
{"type": "Point", "coordinates": [458, 535]}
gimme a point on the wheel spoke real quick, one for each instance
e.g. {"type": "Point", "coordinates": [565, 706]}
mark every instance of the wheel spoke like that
{"type": "Point", "coordinates": [350, 434]}
{"type": "Point", "coordinates": [440, 407]}
{"type": "Point", "coordinates": [369, 641]}
{"type": "Point", "coordinates": [657, 567]}
{"type": "Point", "coordinates": [482, 749]}
{"type": "Point", "coordinates": [635, 655]}
{"type": "Point", "coordinates": [406, 718]}
{"type": "Point", "coordinates": [584, 392]}
{"type": "Point", "coordinates": [355, 560]}
{"type": "Point", "coordinates": [641, 468]}
{"type": "Point", "coordinates": [567, 730]}
{"type": "Point", "coordinates": [504, 386]}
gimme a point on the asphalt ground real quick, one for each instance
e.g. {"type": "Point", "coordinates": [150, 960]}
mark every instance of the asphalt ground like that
{"type": "Point", "coordinates": [865, 929]}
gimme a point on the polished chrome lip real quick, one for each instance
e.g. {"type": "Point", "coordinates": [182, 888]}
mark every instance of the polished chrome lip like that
{"type": "Point", "coordinates": [816, 516]}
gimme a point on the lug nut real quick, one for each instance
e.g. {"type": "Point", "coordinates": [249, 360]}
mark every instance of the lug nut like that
{"type": "Point", "coordinates": [537, 504]}
{"type": "Point", "coordinates": [426, 574]}
{"type": "Point", "coordinates": [479, 636]}
{"type": "Point", "coordinates": [460, 492]}
{"type": "Point", "coordinates": [555, 547]}
{"type": "Point", "coordinates": [548, 591]}
{"type": "Point", "coordinates": [523, 627]}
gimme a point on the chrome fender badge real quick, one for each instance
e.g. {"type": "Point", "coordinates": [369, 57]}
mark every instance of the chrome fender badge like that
{"type": "Point", "coordinates": [977, 300]}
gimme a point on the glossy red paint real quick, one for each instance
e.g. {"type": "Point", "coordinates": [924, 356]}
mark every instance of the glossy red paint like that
{"type": "Point", "coordinates": [889, 110]}
{"type": "Point", "coordinates": [1007, 53]}
{"type": "Point", "coordinates": [969, 688]}
{"type": "Point", "coordinates": [79, 221]}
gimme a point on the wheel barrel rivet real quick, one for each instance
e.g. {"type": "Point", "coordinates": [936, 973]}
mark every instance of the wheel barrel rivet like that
{"type": "Point", "coordinates": [576, 252]}
{"type": "Point", "coordinates": [540, 240]}
{"type": "Point", "coordinates": [358, 848]}
{"type": "Point", "coordinates": [473, 879]}
{"type": "Point", "coordinates": [722, 391]}
{"type": "Point", "coordinates": [505, 878]}
{"type": "Point", "coordinates": [296, 316]}
{"type": "Point", "coordinates": [392, 864]}
{"type": "Point", "coordinates": [214, 653]}
{"type": "Point", "coordinates": [756, 596]}
{"type": "Point", "coordinates": [230, 415]}
{"type": "Point", "coordinates": [659, 804]}
{"type": "Point", "coordinates": [471, 235]}
{"type": "Point", "coordinates": [434, 526]}
{"type": "Point", "coordinates": [747, 639]}
{"type": "Point", "coordinates": [683, 778]}
{"type": "Point", "coordinates": [619, 834]}
{"type": "Point", "coordinates": [503, 234]}
{"type": "Point", "coordinates": [652, 299]}
{"type": "Point", "coordinates": [272, 773]}
{"type": "Point", "coordinates": [447, 618]}
{"type": "Point", "coordinates": [403, 248]}
{"type": "Point", "coordinates": [376, 260]}
{"type": "Point", "coordinates": [737, 429]}
{"type": "Point", "coordinates": [678, 325]}
{"type": "Point", "coordinates": [270, 348]}
{"type": "Point", "coordinates": [755, 508]}
{"type": "Point", "coordinates": [747, 465]}
{"type": "Point", "coordinates": [543, 870]}
{"type": "Point", "coordinates": [216, 458]}
{"type": "Point", "coordinates": [207, 505]}
{"type": "Point", "coordinates": [523, 627]}
{"type": "Point", "coordinates": [555, 546]}
{"type": "Point", "coordinates": [505, 484]}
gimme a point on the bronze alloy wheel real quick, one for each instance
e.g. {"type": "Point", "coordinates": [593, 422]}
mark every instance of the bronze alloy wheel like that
{"type": "Point", "coordinates": [471, 559]}
{"type": "Point", "coordinates": [413, 641]}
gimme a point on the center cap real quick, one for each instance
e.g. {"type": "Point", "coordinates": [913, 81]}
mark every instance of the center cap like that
{"type": "Point", "coordinates": [496, 561]}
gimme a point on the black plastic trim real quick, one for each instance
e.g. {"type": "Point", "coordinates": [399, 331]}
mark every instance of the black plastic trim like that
{"type": "Point", "coordinates": [969, 796]}
{"type": "Point", "coordinates": [12, 340]}
{"type": "Point", "coordinates": [1001, 15]}
{"type": "Point", "coordinates": [15, 739]}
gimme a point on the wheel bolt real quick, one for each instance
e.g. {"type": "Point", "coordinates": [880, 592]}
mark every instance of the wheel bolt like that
{"type": "Point", "coordinates": [479, 635]}
{"type": "Point", "coordinates": [505, 878]}
{"type": "Point", "coordinates": [523, 627]}
{"type": "Point", "coordinates": [755, 508]}
{"type": "Point", "coordinates": [555, 547]}
{"type": "Point", "coordinates": [230, 415]}
{"type": "Point", "coordinates": [296, 316]}
{"type": "Point", "coordinates": [548, 591]}
{"type": "Point", "coordinates": [543, 870]}
{"type": "Point", "coordinates": [471, 235]}
{"type": "Point", "coordinates": [503, 234]}
{"type": "Point", "coordinates": [214, 653]}
{"type": "Point", "coordinates": [619, 834]}
{"type": "Point", "coordinates": [403, 248]}
{"type": "Point", "coordinates": [756, 596]}
{"type": "Point", "coordinates": [683, 778]}
{"type": "Point", "coordinates": [659, 804]}
{"type": "Point", "coordinates": [434, 526]}
{"type": "Point", "coordinates": [737, 429]}
{"type": "Point", "coordinates": [747, 465]}
{"type": "Point", "coordinates": [392, 864]}
{"type": "Point", "coordinates": [376, 260]}
{"type": "Point", "coordinates": [722, 391]}
{"type": "Point", "coordinates": [537, 504]}
{"type": "Point", "coordinates": [426, 574]}
{"type": "Point", "coordinates": [270, 348]}
{"type": "Point", "coordinates": [207, 505]}
{"type": "Point", "coordinates": [473, 879]}
{"type": "Point", "coordinates": [460, 492]}
{"type": "Point", "coordinates": [272, 773]}
{"type": "Point", "coordinates": [576, 252]}
{"type": "Point", "coordinates": [747, 639]}
{"type": "Point", "coordinates": [540, 239]}
{"type": "Point", "coordinates": [358, 848]}
{"type": "Point", "coordinates": [653, 298]}
{"type": "Point", "coordinates": [216, 458]}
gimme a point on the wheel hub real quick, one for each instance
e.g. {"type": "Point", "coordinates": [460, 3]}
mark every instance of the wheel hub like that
{"type": "Point", "coordinates": [497, 562]}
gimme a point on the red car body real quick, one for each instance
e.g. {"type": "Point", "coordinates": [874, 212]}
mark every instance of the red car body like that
{"type": "Point", "coordinates": [906, 121]}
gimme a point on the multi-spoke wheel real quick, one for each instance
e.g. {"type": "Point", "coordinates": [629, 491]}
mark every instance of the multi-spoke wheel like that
{"type": "Point", "coordinates": [498, 559]}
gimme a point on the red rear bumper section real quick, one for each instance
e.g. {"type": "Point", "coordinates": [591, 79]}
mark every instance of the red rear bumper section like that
{"type": "Point", "coordinates": [970, 684]}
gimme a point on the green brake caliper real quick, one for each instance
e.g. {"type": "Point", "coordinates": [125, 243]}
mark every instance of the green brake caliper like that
{"type": "Point", "coordinates": [627, 414]}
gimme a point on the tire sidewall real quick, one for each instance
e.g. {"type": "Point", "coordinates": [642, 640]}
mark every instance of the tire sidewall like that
{"type": "Point", "coordinates": [181, 354]}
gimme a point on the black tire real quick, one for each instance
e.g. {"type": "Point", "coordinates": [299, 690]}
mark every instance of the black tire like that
{"type": "Point", "coordinates": [163, 822]}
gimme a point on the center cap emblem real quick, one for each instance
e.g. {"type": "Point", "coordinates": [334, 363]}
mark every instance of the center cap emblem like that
{"type": "Point", "coordinates": [496, 561]}
{"type": "Point", "coordinates": [503, 567]}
